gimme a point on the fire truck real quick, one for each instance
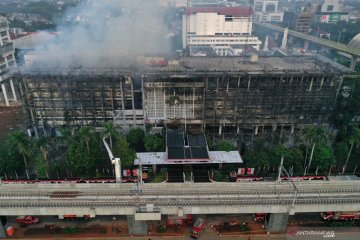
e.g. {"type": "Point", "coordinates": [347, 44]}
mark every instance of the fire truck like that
{"type": "Point", "coordinates": [174, 220]}
{"type": "Point", "coordinates": [340, 216]}
{"type": "Point", "coordinates": [260, 217]}
{"type": "Point", "coordinates": [27, 220]}
{"type": "Point", "coordinates": [198, 227]}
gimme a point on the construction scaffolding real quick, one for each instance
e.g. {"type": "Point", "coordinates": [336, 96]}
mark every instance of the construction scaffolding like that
{"type": "Point", "coordinates": [216, 93]}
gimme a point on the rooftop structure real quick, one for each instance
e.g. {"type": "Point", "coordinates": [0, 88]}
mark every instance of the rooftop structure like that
{"type": "Point", "coordinates": [7, 61]}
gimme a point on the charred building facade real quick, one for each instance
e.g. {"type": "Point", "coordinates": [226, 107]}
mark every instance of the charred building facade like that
{"type": "Point", "coordinates": [219, 94]}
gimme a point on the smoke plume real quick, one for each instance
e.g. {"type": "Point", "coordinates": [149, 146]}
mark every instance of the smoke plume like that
{"type": "Point", "coordinates": [105, 33]}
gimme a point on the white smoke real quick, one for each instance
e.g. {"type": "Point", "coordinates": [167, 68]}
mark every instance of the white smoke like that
{"type": "Point", "coordinates": [104, 33]}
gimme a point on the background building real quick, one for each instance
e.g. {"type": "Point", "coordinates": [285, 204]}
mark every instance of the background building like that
{"type": "Point", "coordinates": [298, 21]}
{"type": "Point", "coordinates": [221, 28]}
{"type": "Point", "coordinates": [267, 11]}
{"type": "Point", "coordinates": [7, 61]}
{"type": "Point", "coordinates": [330, 11]}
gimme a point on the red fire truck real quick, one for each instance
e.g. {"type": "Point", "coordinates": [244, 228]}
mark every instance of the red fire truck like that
{"type": "Point", "coordinates": [198, 227]}
{"type": "Point", "coordinates": [260, 217]}
{"type": "Point", "coordinates": [27, 220]}
{"type": "Point", "coordinates": [174, 220]}
{"type": "Point", "coordinates": [340, 216]}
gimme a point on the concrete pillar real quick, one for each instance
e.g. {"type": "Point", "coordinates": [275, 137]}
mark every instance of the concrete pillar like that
{"type": "Point", "coordinates": [136, 227]}
{"type": "Point", "coordinates": [220, 129]}
{"type": "Point", "coordinates": [13, 89]}
{"type": "Point", "coordinates": [266, 43]}
{"type": "Point", "coordinates": [284, 40]}
{"type": "Point", "coordinates": [274, 126]}
{"type": "Point", "coordinates": [154, 168]}
{"type": "Point", "coordinates": [2, 230]}
{"type": "Point", "coordinates": [353, 62]}
{"type": "Point", "coordinates": [5, 94]}
{"type": "Point", "coordinates": [277, 222]}
{"type": "Point", "coordinates": [256, 130]}
{"type": "Point", "coordinates": [306, 45]}
{"type": "Point", "coordinates": [292, 129]}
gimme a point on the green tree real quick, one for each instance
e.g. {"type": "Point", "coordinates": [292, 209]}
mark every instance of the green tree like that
{"type": "Point", "coordinates": [109, 130]}
{"type": "Point", "coordinates": [124, 152]}
{"type": "Point", "coordinates": [224, 145]}
{"type": "Point", "coordinates": [314, 135]}
{"type": "Point", "coordinates": [154, 143]}
{"type": "Point", "coordinates": [354, 141]}
{"type": "Point", "coordinates": [42, 160]}
{"type": "Point", "coordinates": [79, 158]}
{"type": "Point", "coordinates": [85, 136]}
{"type": "Point", "coordinates": [21, 142]}
{"type": "Point", "coordinates": [9, 159]}
{"type": "Point", "coordinates": [324, 157]}
{"type": "Point", "coordinates": [41, 166]}
{"type": "Point", "coordinates": [135, 137]}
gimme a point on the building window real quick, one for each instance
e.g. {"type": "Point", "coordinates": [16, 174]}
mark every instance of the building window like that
{"type": "Point", "coordinates": [330, 8]}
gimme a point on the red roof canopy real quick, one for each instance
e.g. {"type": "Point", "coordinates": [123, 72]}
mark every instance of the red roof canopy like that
{"type": "Point", "coordinates": [231, 11]}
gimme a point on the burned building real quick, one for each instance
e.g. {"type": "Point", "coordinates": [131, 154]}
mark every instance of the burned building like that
{"type": "Point", "coordinates": [218, 94]}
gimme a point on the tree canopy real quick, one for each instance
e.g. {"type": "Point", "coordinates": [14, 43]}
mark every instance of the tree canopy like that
{"type": "Point", "coordinates": [224, 145]}
{"type": "Point", "coordinates": [154, 143]}
{"type": "Point", "coordinates": [124, 152]}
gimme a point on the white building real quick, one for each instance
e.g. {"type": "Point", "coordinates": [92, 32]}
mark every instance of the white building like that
{"type": "Point", "coordinates": [7, 61]}
{"type": "Point", "coordinates": [267, 11]}
{"type": "Point", "coordinates": [330, 6]}
{"type": "Point", "coordinates": [220, 28]}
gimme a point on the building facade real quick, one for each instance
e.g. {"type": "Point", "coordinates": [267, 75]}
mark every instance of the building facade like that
{"type": "Point", "coordinates": [330, 11]}
{"type": "Point", "coordinates": [299, 22]}
{"type": "Point", "coordinates": [221, 95]}
{"type": "Point", "coordinates": [267, 11]}
{"type": "Point", "coordinates": [7, 62]}
{"type": "Point", "coordinates": [219, 27]}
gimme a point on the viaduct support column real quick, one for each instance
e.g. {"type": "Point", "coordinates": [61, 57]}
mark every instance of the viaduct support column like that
{"type": "Point", "coordinates": [306, 45]}
{"type": "Point", "coordinates": [5, 94]}
{"type": "Point", "coordinates": [284, 40]}
{"type": "Point", "coordinates": [13, 90]}
{"type": "Point", "coordinates": [277, 222]}
{"type": "Point", "coordinates": [136, 227]}
{"type": "Point", "coordinates": [353, 62]}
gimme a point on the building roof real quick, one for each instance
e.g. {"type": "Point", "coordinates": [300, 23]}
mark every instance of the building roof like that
{"type": "Point", "coordinates": [229, 11]}
{"type": "Point", "coordinates": [33, 40]}
{"type": "Point", "coordinates": [159, 158]}
{"type": "Point", "coordinates": [355, 42]}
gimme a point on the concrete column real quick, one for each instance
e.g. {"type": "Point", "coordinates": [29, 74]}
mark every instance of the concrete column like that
{"type": "Point", "coordinates": [274, 126]}
{"type": "Point", "coordinates": [353, 62]}
{"type": "Point", "coordinates": [154, 168]}
{"type": "Point", "coordinates": [5, 94]}
{"type": "Point", "coordinates": [2, 230]}
{"type": "Point", "coordinates": [220, 129]}
{"type": "Point", "coordinates": [277, 222]}
{"type": "Point", "coordinates": [306, 45]}
{"type": "Point", "coordinates": [284, 40]}
{"type": "Point", "coordinates": [256, 130]}
{"type": "Point", "coordinates": [292, 129]}
{"type": "Point", "coordinates": [266, 43]}
{"type": "Point", "coordinates": [13, 89]}
{"type": "Point", "coordinates": [136, 227]}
